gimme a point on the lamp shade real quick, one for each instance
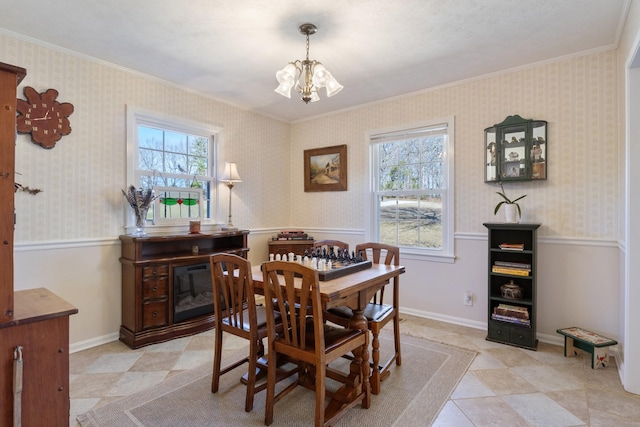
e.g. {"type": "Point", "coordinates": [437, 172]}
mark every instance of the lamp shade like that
{"type": "Point", "coordinates": [230, 173]}
{"type": "Point", "coordinates": [333, 86]}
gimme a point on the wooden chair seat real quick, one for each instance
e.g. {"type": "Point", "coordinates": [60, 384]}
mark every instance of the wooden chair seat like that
{"type": "Point", "coordinates": [261, 320]}
{"type": "Point", "coordinates": [373, 312]}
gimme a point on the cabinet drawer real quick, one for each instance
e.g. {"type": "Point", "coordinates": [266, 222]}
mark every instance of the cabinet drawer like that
{"type": "Point", "coordinates": [511, 334]}
{"type": "Point", "coordinates": [154, 288]}
{"type": "Point", "coordinates": [499, 331]}
{"type": "Point", "coordinates": [522, 336]}
{"type": "Point", "coordinates": [154, 314]}
{"type": "Point", "coordinates": [155, 270]}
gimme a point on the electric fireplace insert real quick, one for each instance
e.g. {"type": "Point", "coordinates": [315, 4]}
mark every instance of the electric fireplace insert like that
{"type": "Point", "coordinates": [192, 291]}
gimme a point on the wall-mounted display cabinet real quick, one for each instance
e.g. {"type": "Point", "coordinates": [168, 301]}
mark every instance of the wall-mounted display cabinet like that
{"type": "Point", "coordinates": [516, 150]}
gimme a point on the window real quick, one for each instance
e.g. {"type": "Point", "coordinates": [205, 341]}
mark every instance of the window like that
{"type": "Point", "coordinates": [175, 158]}
{"type": "Point", "coordinates": [413, 188]}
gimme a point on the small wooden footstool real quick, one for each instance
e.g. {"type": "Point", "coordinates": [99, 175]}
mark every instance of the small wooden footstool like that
{"type": "Point", "coordinates": [596, 345]}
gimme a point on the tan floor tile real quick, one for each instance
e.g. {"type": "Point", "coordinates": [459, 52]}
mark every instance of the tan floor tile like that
{"type": "Point", "coordinates": [451, 416]}
{"type": "Point", "coordinates": [486, 361]}
{"type": "Point", "coordinates": [149, 362]}
{"type": "Point", "coordinates": [470, 386]}
{"type": "Point", "coordinates": [545, 378]}
{"type": "Point", "coordinates": [503, 381]}
{"type": "Point", "coordinates": [132, 382]}
{"type": "Point", "coordinates": [540, 410]}
{"type": "Point", "coordinates": [614, 402]}
{"type": "Point", "coordinates": [490, 411]}
{"type": "Point", "coordinates": [574, 401]}
{"type": "Point", "coordinates": [79, 362]}
{"type": "Point", "coordinates": [606, 419]}
{"type": "Point", "coordinates": [201, 342]}
{"type": "Point", "coordinates": [513, 356]}
{"type": "Point", "coordinates": [92, 385]}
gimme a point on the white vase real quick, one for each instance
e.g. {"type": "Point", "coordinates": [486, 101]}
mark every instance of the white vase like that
{"type": "Point", "coordinates": [511, 213]}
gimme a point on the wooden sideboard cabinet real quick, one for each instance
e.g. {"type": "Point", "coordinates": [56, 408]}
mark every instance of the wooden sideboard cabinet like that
{"type": "Point", "coordinates": [40, 327]}
{"type": "Point", "coordinates": [158, 273]}
{"type": "Point", "coordinates": [283, 247]}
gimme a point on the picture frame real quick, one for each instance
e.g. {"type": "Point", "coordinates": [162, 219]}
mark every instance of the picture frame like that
{"type": "Point", "coordinates": [325, 169]}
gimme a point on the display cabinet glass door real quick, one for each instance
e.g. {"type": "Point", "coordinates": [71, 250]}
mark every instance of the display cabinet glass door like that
{"type": "Point", "coordinates": [515, 150]}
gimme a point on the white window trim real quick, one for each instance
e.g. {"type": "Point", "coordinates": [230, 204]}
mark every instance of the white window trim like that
{"type": "Point", "coordinates": [139, 116]}
{"type": "Point", "coordinates": [447, 252]}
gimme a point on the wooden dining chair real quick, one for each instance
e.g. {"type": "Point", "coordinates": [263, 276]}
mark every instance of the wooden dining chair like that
{"type": "Point", "coordinates": [236, 313]}
{"type": "Point", "coordinates": [378, 313]}
{"type": "Point", "coordinates": [330, 245]}
{"type": "Point", "coordinates": [308, 340]}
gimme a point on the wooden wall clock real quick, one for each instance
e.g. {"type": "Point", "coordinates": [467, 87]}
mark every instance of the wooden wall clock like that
{"type": "Point", "coordinates": [43, 117]}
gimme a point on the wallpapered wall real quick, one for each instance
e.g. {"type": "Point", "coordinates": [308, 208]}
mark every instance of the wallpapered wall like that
{"type": "Point", "coordinates": [578, 97]}
{"type": "Point", "coordinates": [82, 175]}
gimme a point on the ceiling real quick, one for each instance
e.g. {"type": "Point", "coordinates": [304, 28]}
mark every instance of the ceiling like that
{"type": "Point", "coordinates": [231, 49]}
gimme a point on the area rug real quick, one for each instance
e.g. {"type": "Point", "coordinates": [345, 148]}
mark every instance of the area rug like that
{"type": "Point", "coordinates": [413, 395]}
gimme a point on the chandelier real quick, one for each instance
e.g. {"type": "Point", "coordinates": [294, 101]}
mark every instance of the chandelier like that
{"type": "Point", "coordinates": [306, 76]}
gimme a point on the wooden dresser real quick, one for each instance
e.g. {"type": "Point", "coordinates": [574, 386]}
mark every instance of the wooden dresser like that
{"type": "Point", "coordinates": [34, 323]}
{"type": "Point", "coordinates": [40, 328]}
{"type": "Point", "coordinates": [283, 247]}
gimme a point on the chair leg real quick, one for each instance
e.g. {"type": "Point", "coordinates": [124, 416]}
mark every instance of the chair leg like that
{"type": "Point", "coordinates": [271, 387]}
{"type": "Point", "coordinates": [321, 372]}
{"type": "Point", "coordinates": [217, 358]}
{"type": "Point", "coordinates": [364, 378]}
{"type": "Point", "coordinates": [375, 355]}
{"type": "Point", "coordinates": [251, 374]}
{"type": "Point", "coordinates": [396, 338]}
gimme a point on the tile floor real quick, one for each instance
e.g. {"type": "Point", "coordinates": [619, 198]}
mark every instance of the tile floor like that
{"type": "Point", "coordinates": [504, 386]}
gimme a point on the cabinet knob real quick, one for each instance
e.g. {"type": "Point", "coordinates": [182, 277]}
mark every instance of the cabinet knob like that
{"type": "Point", "coordinates": [154, 271]}
{"type": "Point", "coordinates": [154, 314]}
{"type": "Point", "coordinates": [60, 388]}
{"type": "Point", "coordinates": [61, 350]}
{"type": "Point", "coordinates": [154, 289]}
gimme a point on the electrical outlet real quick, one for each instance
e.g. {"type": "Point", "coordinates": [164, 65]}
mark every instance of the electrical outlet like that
{"type": "Point", "coordinates": [468, 298]}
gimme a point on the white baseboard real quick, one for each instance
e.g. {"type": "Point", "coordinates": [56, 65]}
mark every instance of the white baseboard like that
{"type": "Point", "coordinates": [93, 342]}
{"type": "Point", "coordinates": [549, 339]}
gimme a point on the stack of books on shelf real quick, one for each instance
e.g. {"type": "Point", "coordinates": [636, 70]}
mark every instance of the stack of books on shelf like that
{"type": "Point", "coordinates": [511, 314]}
{"type": "Point", "coordinates": [511, 246]}
{"type": "Point", "coordinates": [292, 235]}
{"type": "Point", "coordinates": [515, 268]}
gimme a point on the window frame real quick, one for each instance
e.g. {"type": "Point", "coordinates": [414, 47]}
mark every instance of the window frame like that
{"type": "Point", "coordinates": [140, 117]}
{"type": "Point", "coordinates": [447, 252]}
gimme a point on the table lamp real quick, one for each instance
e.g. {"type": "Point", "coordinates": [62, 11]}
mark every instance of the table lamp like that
{"type": "Point", "coordinates": [230, 176]}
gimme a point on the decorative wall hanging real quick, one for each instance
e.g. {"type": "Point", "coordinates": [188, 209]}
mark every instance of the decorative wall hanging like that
{"type": "Point", "coordinates": [325, 169]}
{"type": "Point", "coordinates": [43, 117]}
{"type": "Point", "coordinates": [516, 150]}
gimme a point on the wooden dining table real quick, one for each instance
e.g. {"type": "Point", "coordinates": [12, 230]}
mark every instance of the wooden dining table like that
{"type": "Point", "coordinates": [353, 290]}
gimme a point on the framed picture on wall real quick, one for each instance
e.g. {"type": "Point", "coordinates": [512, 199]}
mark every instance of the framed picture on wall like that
{"type": "Point", "coordinates": [325, 169]}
